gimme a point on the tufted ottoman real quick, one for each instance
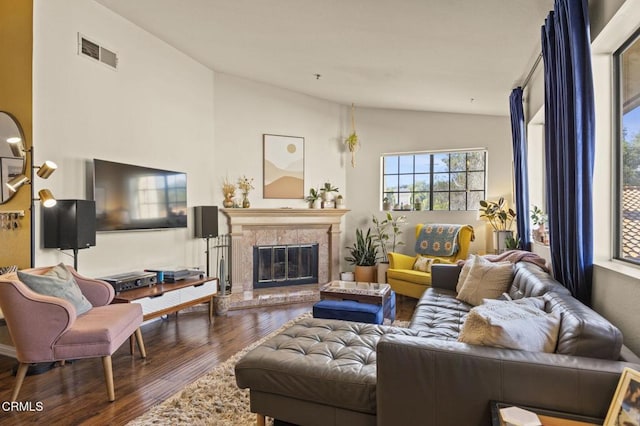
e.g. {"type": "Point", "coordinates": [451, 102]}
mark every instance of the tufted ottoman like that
{"type": "Point", "coordinates": [316, 372]}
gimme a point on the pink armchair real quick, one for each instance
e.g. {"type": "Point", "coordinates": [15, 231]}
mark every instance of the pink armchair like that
{"type": "Point", "coordinates": [46, 328]}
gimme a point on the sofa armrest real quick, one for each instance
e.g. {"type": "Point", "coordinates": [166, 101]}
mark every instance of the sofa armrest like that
{"type": "Point", "coordinates": [98, 292]}
{"type": "Point", "coordinates": [445, 276]}
{"type": "Point", "coordinates": [429, 381]}
{"type": "Point", "coordinates": [401, 261]}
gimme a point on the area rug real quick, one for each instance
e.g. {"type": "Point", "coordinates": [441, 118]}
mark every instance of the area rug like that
{"type": "Point", "coordinates": [213, 399]}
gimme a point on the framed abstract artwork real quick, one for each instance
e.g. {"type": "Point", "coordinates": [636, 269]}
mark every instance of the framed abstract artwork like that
{"type": "Point", "coordinates": [283, 166]}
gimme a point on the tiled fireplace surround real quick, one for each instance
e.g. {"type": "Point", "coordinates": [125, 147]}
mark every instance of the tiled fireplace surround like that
{"type": "Point", "coordinates": [255, 227]}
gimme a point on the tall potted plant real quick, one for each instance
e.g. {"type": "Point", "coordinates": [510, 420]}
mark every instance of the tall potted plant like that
{"type": "Point", "coordinates": [386, 240]}
{"type": "Point", "coordinates": [363, 254]}
{"type": "Point", "coordinates": [500, 218]}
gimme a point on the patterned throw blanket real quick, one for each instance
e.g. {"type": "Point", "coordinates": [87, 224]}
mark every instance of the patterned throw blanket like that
{"type": "Point", "coordinates": [438, 240]}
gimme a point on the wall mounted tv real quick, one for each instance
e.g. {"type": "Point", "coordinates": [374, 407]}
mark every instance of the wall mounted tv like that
{"type": "Point", "coordinates": [130, 197]}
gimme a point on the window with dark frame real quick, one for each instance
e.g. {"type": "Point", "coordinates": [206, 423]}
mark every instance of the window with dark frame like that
{"type": "Point", "coordinates": [627, 130]}
{"type": "Point", "coordinates": [434, 181]}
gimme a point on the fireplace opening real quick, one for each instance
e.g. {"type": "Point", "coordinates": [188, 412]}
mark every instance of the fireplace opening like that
{"type": "Point", "coordinates": [282, 265]}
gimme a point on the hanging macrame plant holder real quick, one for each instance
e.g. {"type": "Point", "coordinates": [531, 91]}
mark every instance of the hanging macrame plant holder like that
{"type": "Point", "coordinates": [352, 141]}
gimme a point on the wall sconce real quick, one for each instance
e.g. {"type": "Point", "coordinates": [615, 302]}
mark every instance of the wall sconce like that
{"type": "Point", "coordinates": [46, 198]}
{"type": "Point", "coordinates": [46, 169]}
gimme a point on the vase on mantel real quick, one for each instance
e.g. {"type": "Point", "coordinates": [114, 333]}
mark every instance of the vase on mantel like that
{"type": "Point", "coordinates": [228, 200]}
{"type": "Point", "coordinates": [245, 201]}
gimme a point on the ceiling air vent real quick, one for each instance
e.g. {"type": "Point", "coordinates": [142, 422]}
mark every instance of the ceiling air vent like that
{"type": "Point", "coordinates": [93, 50]}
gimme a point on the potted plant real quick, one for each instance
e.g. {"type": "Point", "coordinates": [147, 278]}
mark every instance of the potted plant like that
{"type": "Point", "coordinates": [501, 218]}
{"type": "Point", "coordinates": [386, 204]}
{"type": "Point", "coordinates": [313, 198]}
{"type": "Point", "coordinates": [539, 220]}
{"type": "Point", "coordinates": [327, 191]}
{"type": "Point", "coordinates": [363, 255]}
{"type": "Point", "coordinates": [384, 240]}
{"type": "Point", "coordinates": [352, 140]}
{"type": "Point", "coordinates": [229, 191]}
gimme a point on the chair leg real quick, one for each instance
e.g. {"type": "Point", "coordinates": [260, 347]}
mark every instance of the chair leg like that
{"type": "Point", "coordinates": [108, 377]}
{"type": "Point", "coordinates": [261, 420]}
{"type": "Point", "coordinates": [20, 375]}
{"type": "Point", "coordinates": [143, 352]}
{"type": "Point", "coordinates": [131, 344]}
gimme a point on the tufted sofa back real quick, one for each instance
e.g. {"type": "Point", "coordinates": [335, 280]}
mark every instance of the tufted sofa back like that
{"type": "Point", "coordinates": [530, 280]}
{"type": "Point", "coordinates": [583, 332]}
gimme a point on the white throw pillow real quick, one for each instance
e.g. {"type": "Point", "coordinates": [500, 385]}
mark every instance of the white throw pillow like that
{"type": "Point", "coordinates": [486, 280]}
{"type": "Point", "coordinates": [464, 272]}
{"type": "Point", "coordinates": [423, 264]}
{"type": "Point", "coordinates": [517, 324]}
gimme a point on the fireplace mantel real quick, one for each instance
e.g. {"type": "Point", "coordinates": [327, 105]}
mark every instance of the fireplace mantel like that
{"type": "Point", "coordinates": [244, 224]}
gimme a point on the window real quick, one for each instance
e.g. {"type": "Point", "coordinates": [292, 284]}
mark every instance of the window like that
{"type": "Point", "coordinates": [434, 181]}
{"type": "Point", "coordinates": [627, 64]}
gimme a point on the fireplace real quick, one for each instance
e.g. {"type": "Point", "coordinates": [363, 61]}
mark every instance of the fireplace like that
{"type": "Point", "coordinates": [283, 265]}
{"type": "Point", "coordinates": [254, 227]}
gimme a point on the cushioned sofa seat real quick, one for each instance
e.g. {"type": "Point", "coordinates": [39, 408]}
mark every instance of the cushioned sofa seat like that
{"type": "Point", "coordinates": [439, 314]}
{"type": "Point", "coordinates": [327, 362]}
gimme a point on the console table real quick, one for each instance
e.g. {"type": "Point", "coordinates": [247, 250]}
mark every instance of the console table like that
{"type": "Point", "coordinates": [167, 298]}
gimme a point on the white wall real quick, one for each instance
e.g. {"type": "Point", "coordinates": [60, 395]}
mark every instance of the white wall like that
{"type": "Point", "coordinates": [385, 131]}
{"type": "Point", "coordinates": [245, 110]}
{"type": "Point", "coordinates": [156, 110]}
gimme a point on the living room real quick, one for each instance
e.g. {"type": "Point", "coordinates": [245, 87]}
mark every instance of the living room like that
{"type": "Point", "coordinates": [164, 109]}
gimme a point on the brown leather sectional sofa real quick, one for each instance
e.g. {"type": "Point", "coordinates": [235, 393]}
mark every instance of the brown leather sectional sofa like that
{"type": "Point", "coordinates": [326, 372]}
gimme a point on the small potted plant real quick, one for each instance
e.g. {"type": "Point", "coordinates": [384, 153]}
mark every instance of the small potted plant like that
{"type": "Point", "coordinates": [352, 141]}
{"type": "Point", "coordinates": [500, 218]}
{"type": "Point", "coordinates": [386, 204]}
{"type": "Point", "coordinates": [363, 254]}
{"type": "Point", "coordinates": [539, 220]}
{"type": "Point", "coordinates": [229, 191]}
{"type": "Point", "coordinates": [313, 198]}
{"type": "Point", "coordinates": [327, 191]}
{"type": "Point", "coordinates": [245, 185]}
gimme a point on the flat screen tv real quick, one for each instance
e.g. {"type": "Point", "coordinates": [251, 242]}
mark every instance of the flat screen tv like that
{"type": "Point", "coordinates": [130, 197]}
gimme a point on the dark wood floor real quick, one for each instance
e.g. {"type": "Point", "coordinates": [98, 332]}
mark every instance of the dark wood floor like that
{"type": "Point", "coordinates": [180, 349]}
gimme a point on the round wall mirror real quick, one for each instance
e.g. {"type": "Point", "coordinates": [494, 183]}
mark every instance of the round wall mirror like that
{"type": "Point", "coordinates": [12, 154]}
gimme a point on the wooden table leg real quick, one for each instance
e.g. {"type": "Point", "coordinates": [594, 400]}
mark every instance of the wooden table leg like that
{"type": "Point", "coordinates": [261, 421]}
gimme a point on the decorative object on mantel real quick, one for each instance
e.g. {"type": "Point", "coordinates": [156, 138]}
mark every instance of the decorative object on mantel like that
{"type": "Point", "coordinates": [501, 219]}
{"type": "Point", "coordinates": [363, 254]}
{"type": "Point", "coordinates": [352, 140]}
{"type": "Point", "coordinates": [327, 191]}
{"type": "Point", "coordinates": [10, 219]}
{"type": "Point", "coordinates": [245, 185]}
{"type": "Point", "coordinates": [339, 202]}
{"type": "Point", "coordinates": [228, 191]}
{"type": "Point", "coordinates": [313, 198]}
{"type": "Point", "coordinates": [283, 166]}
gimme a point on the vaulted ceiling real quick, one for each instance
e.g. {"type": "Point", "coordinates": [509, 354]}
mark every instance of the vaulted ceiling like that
{"type": "Point", "coordinates": [429, 55]}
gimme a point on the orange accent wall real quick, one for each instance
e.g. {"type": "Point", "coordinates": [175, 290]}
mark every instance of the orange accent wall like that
{"type": "Point", "coordinates": [16, 47]}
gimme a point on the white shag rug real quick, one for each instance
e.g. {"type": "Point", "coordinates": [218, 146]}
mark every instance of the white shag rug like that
{"type": "Point", "coordinates": [213, 399]}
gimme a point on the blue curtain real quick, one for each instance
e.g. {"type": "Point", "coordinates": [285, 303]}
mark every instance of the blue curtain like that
{"type": "Point", "coordinates": [569, 143]}
{"type": "Point", "coordinates": [519, 137]}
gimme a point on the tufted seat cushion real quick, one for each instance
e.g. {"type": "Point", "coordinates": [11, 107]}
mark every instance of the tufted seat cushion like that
{"type": "Point", "coordinates": [439, 314]}
{"type": "Point", "coordinates": [327, 362]}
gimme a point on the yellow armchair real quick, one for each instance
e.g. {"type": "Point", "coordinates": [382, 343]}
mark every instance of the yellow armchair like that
{"type": "Point", "coordinates": [405, 280]}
